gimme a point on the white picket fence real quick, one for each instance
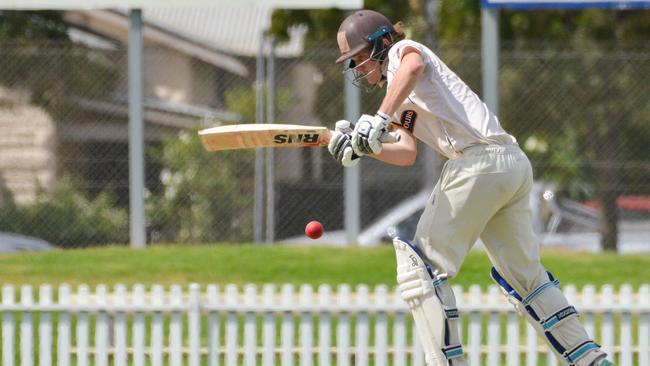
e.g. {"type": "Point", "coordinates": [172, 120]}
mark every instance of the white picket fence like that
{"type": "Point", "coordinates": [281, 326]}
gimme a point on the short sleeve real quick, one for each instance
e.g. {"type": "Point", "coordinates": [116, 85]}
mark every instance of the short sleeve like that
{"type": "Point", "coordinates": [397, 51]}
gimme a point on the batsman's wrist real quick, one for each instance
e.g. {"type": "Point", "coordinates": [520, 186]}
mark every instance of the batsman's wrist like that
{"type": "Point", "coordinates": [384, 116]}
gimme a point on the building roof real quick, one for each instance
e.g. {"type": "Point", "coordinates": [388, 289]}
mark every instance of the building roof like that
{"type": "Point", "coordinates": [234, 29]}
{"type": "Point", "coordinates": [115, 25]}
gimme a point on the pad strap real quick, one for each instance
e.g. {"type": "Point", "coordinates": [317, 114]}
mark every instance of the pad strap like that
{"type": "Point", "coordinates": [555, 319]}
{"type": "Point", "coordinates": [579, 351]}
{"type": "Point", "coordinates": [451, 313]}
{"type": "Point", "coordinates": [453, 351]}
{"type": "Point", "coordinates": [539, 290]}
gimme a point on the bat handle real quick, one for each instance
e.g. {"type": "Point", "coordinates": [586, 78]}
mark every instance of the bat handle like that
{"type": "Point", "coordinates": [389, 137]}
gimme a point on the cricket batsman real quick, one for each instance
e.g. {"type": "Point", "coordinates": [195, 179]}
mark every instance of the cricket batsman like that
{"type": "Point", "coordinates": [483, 191]}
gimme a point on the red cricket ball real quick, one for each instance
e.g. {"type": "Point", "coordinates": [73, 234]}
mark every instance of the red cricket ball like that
{"type": "Point", "coordinates": [314, 230]}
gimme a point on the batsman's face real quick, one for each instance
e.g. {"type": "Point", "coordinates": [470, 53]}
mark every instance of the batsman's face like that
{"type": "Point", "coordinates": [370, 68]}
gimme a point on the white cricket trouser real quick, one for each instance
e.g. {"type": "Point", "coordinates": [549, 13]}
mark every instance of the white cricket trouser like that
{"type": "Point", "coordinates": [484, 193]}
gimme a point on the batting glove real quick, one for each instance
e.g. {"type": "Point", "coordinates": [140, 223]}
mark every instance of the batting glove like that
{"type": "Point", "coordinates": [367, 133]}
{"type": "Point", "coordinates": [340, 145]}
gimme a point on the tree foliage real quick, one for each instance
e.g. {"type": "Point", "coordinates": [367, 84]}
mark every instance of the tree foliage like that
{"type": "Point", "coordinates": [324, 23]}
{"type": "Point", "coordinates": [38, 56]}
{"type": "Point", "coordinates": [28, 26]}
{"type": "Point", "coordinates": [207, 196]}
{"type": "Point", "coordinates": [460, 20]}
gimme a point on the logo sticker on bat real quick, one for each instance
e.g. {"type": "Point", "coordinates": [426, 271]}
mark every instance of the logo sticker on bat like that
{"type": "Point", "coordinates": [306, 138]}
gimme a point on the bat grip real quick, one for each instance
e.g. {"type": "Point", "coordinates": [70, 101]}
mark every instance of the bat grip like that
{"type": "Point", "coordinates": [389, 137]}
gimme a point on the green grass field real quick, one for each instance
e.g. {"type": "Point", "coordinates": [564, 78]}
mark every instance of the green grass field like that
{"type": "Point", "coordinates": [241, 264]}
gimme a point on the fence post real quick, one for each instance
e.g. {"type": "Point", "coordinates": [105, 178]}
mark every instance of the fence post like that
{"type": "Point", "coordinates": [625, 300]}
{"type": "Point", "coordinates": [607, 330]}
{"type": "Point", "coordinates": [194, 324]}
{"type": "Point", "coordinates": [268, 327]}
{"type": "Point", "coordinates": [213, 327]}
{"type": "Point", "coordinates": [101, 329]}
{"type": "Point", "coordinates": [138, 326]}
{"type": "Point", "coordinates": [474, 328]}
{"type": "Point", "coordinates": [231, 326]}
{"type": "Point", "coordinates": [362, 333]}
{"type": "Point", "coordinates": [176, 328]}
{"type": "Point", "coordinates": [306, 327]}
{"type": "Point", "coordinates": [82, 326]}
{"type": "Point", "coordinates": [45, 327]}
{"type": "Point", "coordinates": [532, 352]}
{"type": "Point", "coordinates": [512, 331]}
{"type": "Point", "coordinates": [26, 336]}
{"type": "Point", "coordinates": [644, 326]}
{"type": "Point", "coordinates": [286, 330]}
{"type": "Point", "coordinates": [120, 330]}
{"type": "Point", "coordinates": [399, 332]}
{"type": "Point", "coordinates": [381, 327]}
{"type": "Point", "coordinates": [494, 329]}
{"type": "Point", "coordinates": [324, 326]}
{"type": "Point", "coordinates": [589, 297]}
{"type": "Point", "coordinates": [250, 327]}
{"type": "Point", "coordinates": [343, 328]}
{"type": "Point", "coordinates": [157, 331]}
{"type": "Point", "coordinates": [8, 326]}
{"type": "Point", "coordinates": [63, 328]}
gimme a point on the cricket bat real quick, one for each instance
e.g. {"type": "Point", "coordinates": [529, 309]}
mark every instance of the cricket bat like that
{"type": "Point", "coordinates": [249, 136]}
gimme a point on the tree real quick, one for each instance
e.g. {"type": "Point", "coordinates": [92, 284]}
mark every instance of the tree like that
{"type": "Point", "coordinates": [28, 26]}
{"type": "Point", "coordinates": [324, 23]}
{"type": "Point", "coordinates": [38, 56]}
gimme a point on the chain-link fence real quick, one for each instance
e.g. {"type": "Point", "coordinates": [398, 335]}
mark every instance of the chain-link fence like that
{"type": "Point", "coordinates": [580, 111]}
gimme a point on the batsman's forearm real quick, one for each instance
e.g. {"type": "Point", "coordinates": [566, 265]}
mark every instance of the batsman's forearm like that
{"type": "Point", "coordinates": [402, 153]}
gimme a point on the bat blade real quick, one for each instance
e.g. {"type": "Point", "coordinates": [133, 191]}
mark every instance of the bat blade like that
{"type": "Point", "coordinates": [248, 136]}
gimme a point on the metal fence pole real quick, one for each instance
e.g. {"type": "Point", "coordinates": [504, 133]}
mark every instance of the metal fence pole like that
{"type": "Point", "coordinates": [352, 176]}
{"type": "Point", "coordinates": [258, 220]}
{"type": "Point", "coordinates": [490, 57]}
{"type": "Point", "coordinates": [136, 131]}
{"type": "Point", "coordinates": [270, 171]}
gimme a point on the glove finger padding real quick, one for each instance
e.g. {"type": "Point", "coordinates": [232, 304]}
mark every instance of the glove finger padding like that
{"type": "Point", "coordinates": [367, 133]}
{"type": "Point", "coordinates": [344, 126]}
{"type": "Point", "coordinates": [340, 147]}
{"type": "Point", "coordinates": [349, 158]}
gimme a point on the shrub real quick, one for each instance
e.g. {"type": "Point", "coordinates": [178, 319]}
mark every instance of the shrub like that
{"type": "Point", "coordinates": [66, 218]}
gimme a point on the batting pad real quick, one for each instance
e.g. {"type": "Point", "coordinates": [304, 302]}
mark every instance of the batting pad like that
{"type": "Point", "coordinates": [432, 304]}
{"type": "Point", "coordinates": [555, 320]}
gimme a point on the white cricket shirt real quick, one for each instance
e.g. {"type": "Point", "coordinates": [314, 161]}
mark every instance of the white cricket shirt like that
{"type": "Point", "coordinates": [442, 111]}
